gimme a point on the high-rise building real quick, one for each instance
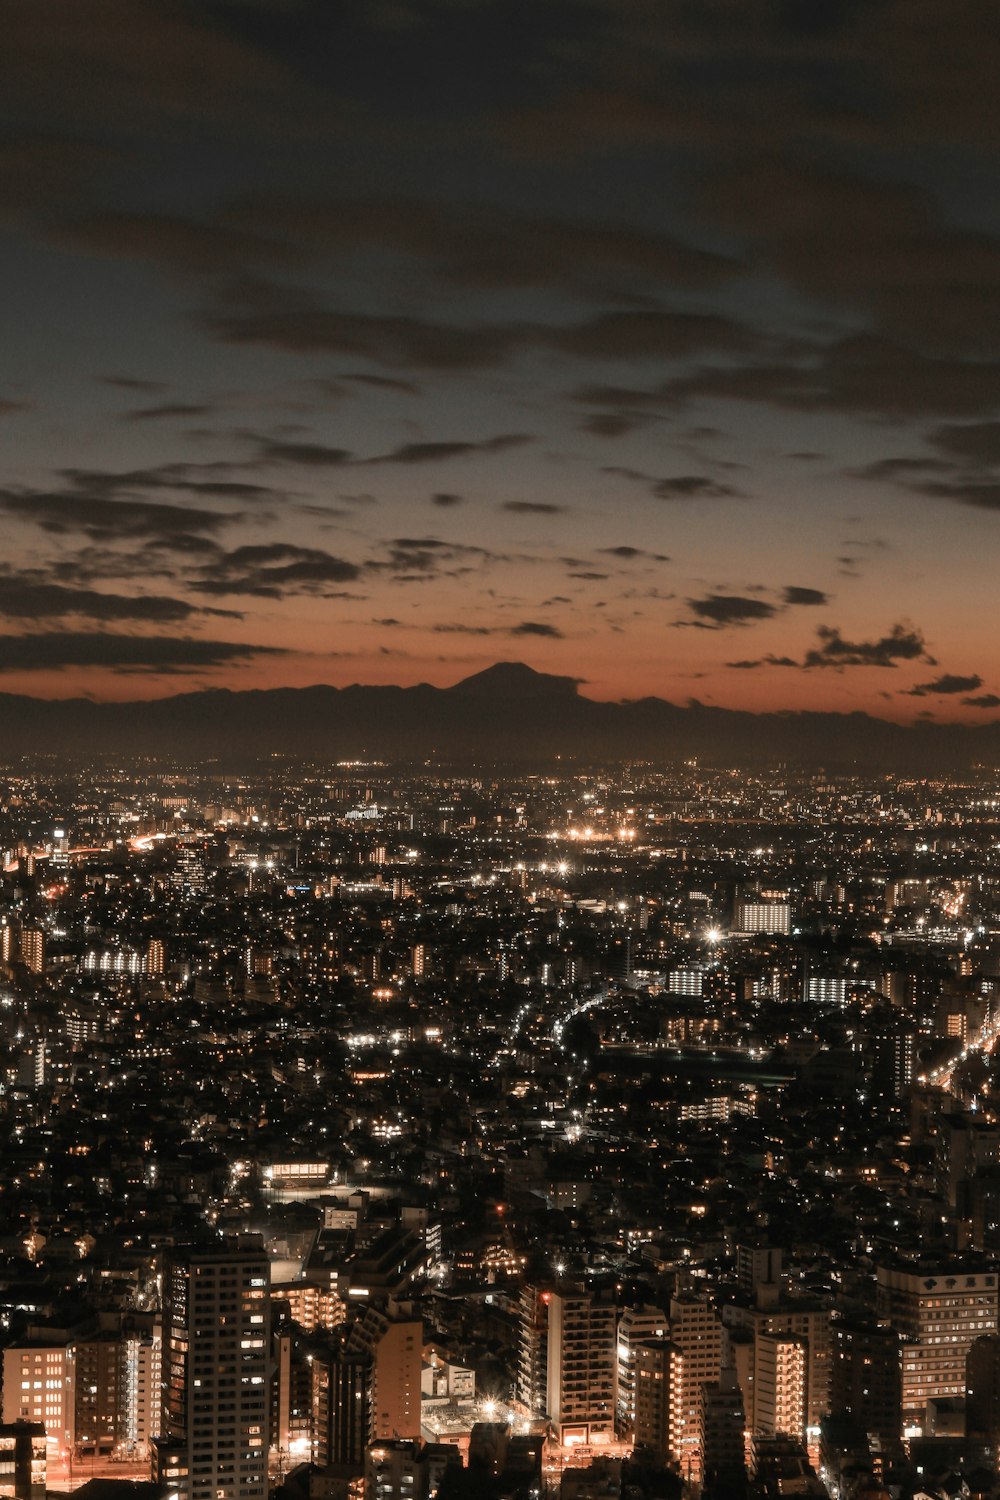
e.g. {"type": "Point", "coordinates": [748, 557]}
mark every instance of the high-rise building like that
{"type": "Point", "coordinates": [982, 1389]}
{"type": "Point", "coordinates": [723, 1427]}
{"type": "Point", "coordinates": [60, 850]}
{"type": "Point", "coordinates": [864, 1377]}
{"type": "Point", "coordinates": [657, 1371]}
{"type": "Point", "coordinates": [781, 1367]}
{"type": "Point", "coordinates": [340, 1415]}
{"type": "Point", "coordinates": [33, 949]}
{"type": "Point", "coordinates": [139, 1392]}
{"type": "Point", "coordinates": [213, 1437]}
{"type": "Point", "coordinates": [582, 1366]}
{"type": "Point", "coordinates": [637, 1325]}
{"type": "Point", "coordinates": [938, 1315]}
{"type": "Point", "coordinates": [696, 1330]}
{"type": "Point", "coordinates": [533, 1348]}
{"type": "Point", "coordinates": [394, 1346]}
{"type": "Point", "coordinates": [765, 1311]}
{"type": "Point", "coordinates": [37, 1388]}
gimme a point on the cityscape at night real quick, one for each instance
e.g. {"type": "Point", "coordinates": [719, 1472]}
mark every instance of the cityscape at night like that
{"type": "Point", "coordinates": [499, 750]}
{"type": "Point", "coordinates": [398, 1131]}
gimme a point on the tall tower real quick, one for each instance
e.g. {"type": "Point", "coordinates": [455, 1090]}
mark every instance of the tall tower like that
{"type": "Point", "coordinates": [582, 1366]}
{"type": "Point", "coordinates": [216, 1334]}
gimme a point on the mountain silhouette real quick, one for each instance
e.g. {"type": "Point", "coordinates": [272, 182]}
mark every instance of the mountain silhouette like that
{"type": "Point", "coordinates": [507, 713]}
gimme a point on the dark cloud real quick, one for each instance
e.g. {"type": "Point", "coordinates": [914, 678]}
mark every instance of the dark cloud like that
{"type": "Point", "coordinates": [901, 644]}
{"type": "Point", "coordinates": [590, 577]}
{"type": "Point", "coordinates": [693, 487]}
{"type": "Point", "coordinates": [106, 520]}
{"type": "Point", "coordinates": [311, 455]}
{"type": "Point", "coordinates": [722, 610]}
{"type": "Point", "coordinates": [902, 468]}
{"type": "Point", "coordinates": [132, 383]}
{"type": "Point", "coordinates": [274, 571]}
{"type": "Point", "coordinates": [980, 494]}
{"type": "Point", "coordinates": [764, 661]}
{"type": "Point", "coordinates": [462, 629]}
{"type": "Point", "coordinates": [536, 627]}
{"type": "Point", "coordinates": [947, 684]}
{"type": "Point", "coordinates": [56, 650]}
{"type": "Point", "coordinates": [677, 486]}
{"type": "Point", "coordinates": [424, 453]}
{"type": "Point", "coordinates": [282, 318]}
{"type": "Point", "coordinates": [628, 554]}
{"type": "Point", "coordinates": [611, 424]}
{"type": "Point", "coordinates": [984, 700]}
{"type": "Point", "coordinates": [31, 597]}
{"type": "Point", "coordinates": [386, 383]}
{"type": "Point", "coordinates": [794, 594]}
{"type": "Point", "coordinates": [169, 70]}
{"type": "Point", "coordinates": [861, 375]}
{"type": "Point", "coordinates": [969, 442]}
{"type": "Point", "coordinates": [208, 480]}
{"type": "Point", "coordinates": [183, 246]}
{"type": "Point", "coordinates": [287, 318]}
{"type": "Point", "coordinates": [880, 246]}
{"type": "Point", "coordinates": [532, 507]}
{"type": "Point", "coordinates": [445, 500]}
{"type": "Point", "coordinates": [165, 410]}
{"type": "Point", "coordinates": [483, 248]}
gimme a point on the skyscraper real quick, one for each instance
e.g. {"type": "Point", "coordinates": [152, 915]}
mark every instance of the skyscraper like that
{"type": "Point", "coordinates": [214, 1411]}
{"type": "Point", "coordinates": [582, 1366]}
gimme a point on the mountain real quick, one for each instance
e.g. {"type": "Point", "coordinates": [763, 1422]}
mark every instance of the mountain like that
{"type": "Point", "coordinates": [512, 679]}
{"type": "Point", "coordinates": [509, 712]}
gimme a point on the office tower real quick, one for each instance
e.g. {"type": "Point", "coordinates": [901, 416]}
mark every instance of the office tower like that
{"type": "Point", "coordinates": [938, 1315]}
{"type": "Point", "coordinates": [156, 956]}
{"type": "Point", "coordinates": [22, 1461]}
{"type": "Point", "coordinates": [637, 1325]}
{"type": "Point", "coordinates": [213, 1436]}
{"type": "Point", "coordinates": [582, 1366]}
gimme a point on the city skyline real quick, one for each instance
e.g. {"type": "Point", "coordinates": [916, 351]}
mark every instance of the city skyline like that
{"type": "Point", "coordinates": [654, 346]}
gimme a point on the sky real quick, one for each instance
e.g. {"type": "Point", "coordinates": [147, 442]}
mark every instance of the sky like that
{"type": "Point", "coordinates": [649, 342]}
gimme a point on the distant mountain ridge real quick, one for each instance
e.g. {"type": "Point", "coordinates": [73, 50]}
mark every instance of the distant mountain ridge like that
{"type": "Point", "coordinates": [508, 712]}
